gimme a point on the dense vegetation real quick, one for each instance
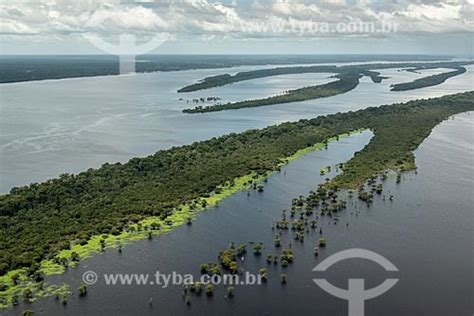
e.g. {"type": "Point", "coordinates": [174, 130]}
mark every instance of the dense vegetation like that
{"type": "Point", "coordinates": [346, 82]}
{"type": "Point", "coordinates": [40, 219]}
{"type": "Point", "coordinates": [348, 79]}
{"type": "Point", "coordinates": [221, 80]}
{"type": "Point", "coordinates": [397, 133]}
{"type": "Point", "coordinates": [428, 81]}
{"type": "Point", "coordinates": [374, 75]}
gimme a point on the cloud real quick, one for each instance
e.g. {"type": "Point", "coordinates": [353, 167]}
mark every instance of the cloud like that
{"type": "Point", "coordinates": [12, 27]}
{"type": "Point", "coordinates": [258, 19]}
{"type": "Point", "coordinates": [119, 20]}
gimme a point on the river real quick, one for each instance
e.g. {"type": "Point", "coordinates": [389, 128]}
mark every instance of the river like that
{"type": "Point", "coordinates": [56, 126]}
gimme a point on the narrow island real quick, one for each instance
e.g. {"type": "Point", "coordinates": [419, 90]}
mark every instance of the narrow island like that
{"type": "Point", "coordinates": [428, 81]}
{"type": "Point", "coordinates": [222, 80]}
{"type": "Point", "coordinates": [346, 82]}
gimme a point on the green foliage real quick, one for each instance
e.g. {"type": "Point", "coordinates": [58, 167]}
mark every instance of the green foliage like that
{"type": "Point", "coordinates": [230, 291]}
{"type": "Point", "coordinates": [286, 257]}
{"type": "Point", "coordinates": [27, 295]}
{"type": "Point", "coordinates": [204, 268]}
{"type": "Point", "coordinates": [263, 273]}
{"type": "Point", "coordinates": [346, 82]}
{"type": "Point", "coordinates": [257, 248]}
{"type": "Point", "coordinates": [322, 242]}
{"type": "Point", "coordinates": [196, 287]}
{"type": "Point", "coordinates": [209, 289]}
{"type": "Point", "coordinates": [40, 220]}
{"type": "Point", "coordinates": [82, 290]}
{"type": "Point", "coordinates": [241, 250]}
{"type": "Point", "coordinates": [397, 133]}
{"type": "Point", "coordinates": [221, 80]}
{"type": "Point", "coordinates": [227, 258]}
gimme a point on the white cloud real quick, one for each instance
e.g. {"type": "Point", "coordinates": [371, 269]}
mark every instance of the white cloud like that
{"type": "Point", "coordinates": [207, 18]}
{"type": "Point", "coordinates": [118, 19]}
{"type": "Point", "coordinates": [13, 27]}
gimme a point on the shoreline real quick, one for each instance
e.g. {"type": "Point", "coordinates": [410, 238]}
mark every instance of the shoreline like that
{"type": "Point", "coordinates": [142, 229]}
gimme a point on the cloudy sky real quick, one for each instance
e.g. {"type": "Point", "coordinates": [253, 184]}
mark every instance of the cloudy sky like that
{"type": "Point", "coordinates": [247, 26]}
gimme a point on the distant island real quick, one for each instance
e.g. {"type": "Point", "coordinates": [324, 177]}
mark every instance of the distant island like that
{"type": "Point", "coordinates": [428, 81]}
{"type": "Point", "coordinates": [346, 82]}
{"type": "Point", "coordinates": [348, 79]}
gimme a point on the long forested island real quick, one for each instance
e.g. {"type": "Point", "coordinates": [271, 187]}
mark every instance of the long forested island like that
{"type": "Point", "coordinates": [348, 79]}
{"type": "Point", "coordinates": [428, 81]}
{"type": "Point", "coordinates": [45, 226]}
{"type": "Point", "coordinates": [346, 82]}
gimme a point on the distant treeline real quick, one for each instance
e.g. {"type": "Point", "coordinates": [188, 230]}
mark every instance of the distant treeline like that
{"type": "Point", "coordinates": [41, 219]}
{"type": "Point", "coordinates": [15, 68]}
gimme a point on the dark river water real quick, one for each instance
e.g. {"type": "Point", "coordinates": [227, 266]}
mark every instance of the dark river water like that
{"type": "Point", "coordinates": [426, 232]}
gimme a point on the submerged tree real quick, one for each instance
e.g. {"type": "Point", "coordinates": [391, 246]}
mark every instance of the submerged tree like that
{"type": "Point", "coordinates": [257, 248]}
{"type": "Point", "coordinates": [322, 242]}
{"type": "Point", "coordinates": [231, 291]}
{"type": "Point", "coordinates": [263, 272]}
{"type": "Point", "coordinates": [204, 268]}
{"type": "Point", "coordinates": [210, 290]}
{"type": "Point", "coordinates": [82, 290]}
{"type": "Point", "coordinates": [75, 256]}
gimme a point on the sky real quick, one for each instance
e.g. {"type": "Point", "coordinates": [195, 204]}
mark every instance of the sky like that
{"type": "Point", "coordinates": [237, 27]}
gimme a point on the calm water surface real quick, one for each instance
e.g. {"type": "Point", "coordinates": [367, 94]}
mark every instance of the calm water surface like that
{"type": "Point", "coordinates": [51, 127]}
{"type": "Point", "coordinates": [426, 232]}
